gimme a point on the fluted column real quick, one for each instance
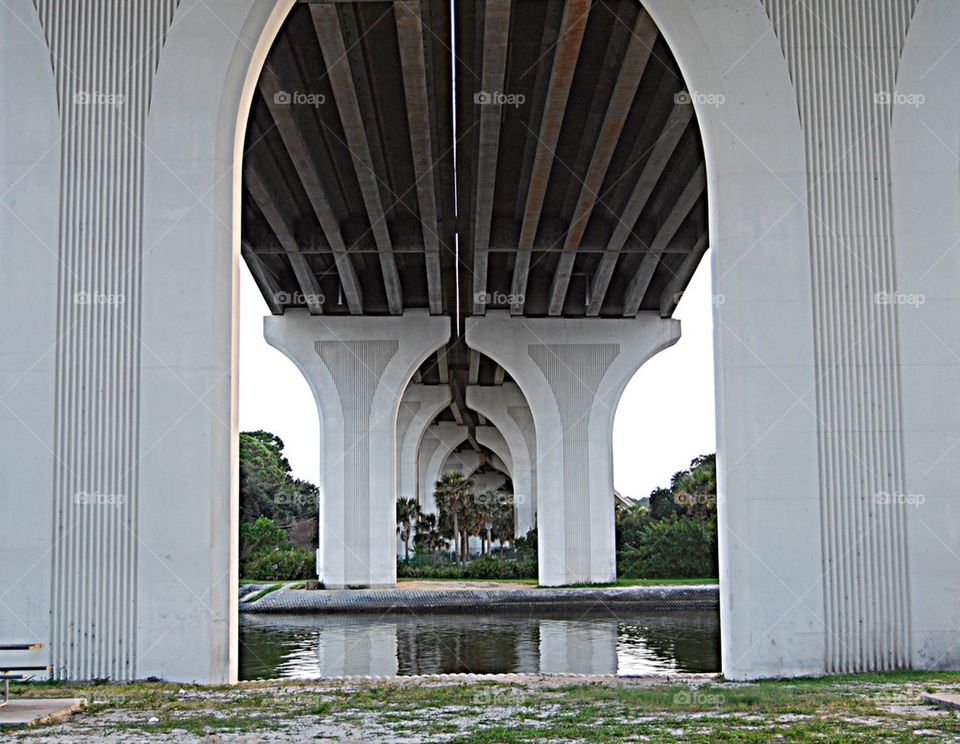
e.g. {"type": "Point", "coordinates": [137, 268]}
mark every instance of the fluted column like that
{"type": "Point", "coordinates": [357, 369]}
{"type": "Point", "coordinates": [572, 373]}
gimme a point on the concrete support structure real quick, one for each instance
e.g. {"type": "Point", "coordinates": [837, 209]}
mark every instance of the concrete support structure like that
{"type": "Point", "coordinates": [358, 369]}
{"type": "Point", "coordinates": [506, 408]}
{"type": "Point", "coordinates": [419, 406]}
{"type": "Point", "coordinates": [493, 440]}
{"type": "Point", "coordinates": [438, 442]}
{"type": "Point", "coordinates": [465, 461]}
{"type": "Point", "coordinates": [572, 373]}
{"type": "Point", "coordinates": [829, 131]}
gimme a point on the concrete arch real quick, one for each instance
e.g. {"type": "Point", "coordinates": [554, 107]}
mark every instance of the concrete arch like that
{"type": "Point", "coordinates": [427, 402]}
{"type": "Point", "coordinates": [185, 569]}
{"type": "Point", "coordinates": [491, 438]}
{"type": "Point", "coordinates": [448, 436]}
{"type": "Point", "coordinates": [925, 160]}
{"type": "Point", "coordinates": [506, 408]}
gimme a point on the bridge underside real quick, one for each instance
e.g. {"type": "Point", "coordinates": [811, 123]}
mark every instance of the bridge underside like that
{"type": "Point", "coordinates": [478, 226]}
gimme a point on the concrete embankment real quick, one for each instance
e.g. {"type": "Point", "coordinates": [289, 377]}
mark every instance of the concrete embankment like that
{"type": "Point", "coordinates": [522, 599]}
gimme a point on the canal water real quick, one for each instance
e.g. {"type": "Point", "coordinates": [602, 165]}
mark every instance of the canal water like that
{"type": "Point", "coordinates": [607, 642]}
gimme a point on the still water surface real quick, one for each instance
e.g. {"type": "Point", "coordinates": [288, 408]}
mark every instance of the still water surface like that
{"type": "Point", "coordinates": [317, 646]}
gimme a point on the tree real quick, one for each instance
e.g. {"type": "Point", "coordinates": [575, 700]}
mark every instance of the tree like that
{"type": "Point", "coordinates": [454, 494]}
{"type": "Point", "coordinates": [267, 486]}
{"type": "Point", "coordinates": [427, 538]}
{"type": "Point", "coordinates": [503, 518]}
{"type": "Point", "coordinates": [695, 490]}
{"type": "Point", "coordinates": [407, 513]}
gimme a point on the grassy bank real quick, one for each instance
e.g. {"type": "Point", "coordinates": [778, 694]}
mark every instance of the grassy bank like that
{"type": "Point", "coordinates": [863, 708]}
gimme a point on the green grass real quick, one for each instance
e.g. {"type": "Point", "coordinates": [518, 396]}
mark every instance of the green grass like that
{"type": "Point", "coordinates": [618, 582]}
{"type": "Point", "coordinates": [527, 582]}
{"type": "Point", "coordinates": [264, 592]}
{"type": "Point", "coordinates": [649, 582]}
{"type": "Point", "coordinates": [867, 708]}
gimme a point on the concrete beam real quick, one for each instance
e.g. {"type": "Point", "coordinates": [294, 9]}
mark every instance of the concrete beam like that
{"type": "Point", "coordinates": [326, 22]}
{"type": "Point", "coordinates": [653, 168]}
{"type": "Point", "coordinates": [266, 282]}
{"type": "Point", "coordinates": [272, 199]}
{"type": "Point", "coordinates": [358, 369]}
{"type": "Point", "coordinates": [567, 52]}
{"type": "Point", "coordinates": [572, 373]}
{"type": "Point", "coordinates": [668, 228]}
{"type": "Point", "coordinates": [420, 123]}
{"type": "Point", "coordinates": [642, 38]}
{"type": "Point", "coordinates": [496, 31]}
{"type": "Point", "coordinates": [298, 130]}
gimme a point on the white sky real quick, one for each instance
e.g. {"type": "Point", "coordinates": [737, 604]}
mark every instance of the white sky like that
{"type": "Point", "coordinates": [665, 418]}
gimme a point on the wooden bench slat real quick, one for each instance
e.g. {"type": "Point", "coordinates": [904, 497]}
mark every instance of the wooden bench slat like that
{"type": "Point", "coordinates": [44, 668]}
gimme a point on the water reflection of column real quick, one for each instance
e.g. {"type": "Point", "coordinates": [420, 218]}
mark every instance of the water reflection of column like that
{"type": "Point", "coordinates": [581, 647]}
{"type": "Point", "coordinates": [357, 648]}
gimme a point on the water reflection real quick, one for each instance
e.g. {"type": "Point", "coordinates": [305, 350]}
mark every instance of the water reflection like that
{"type": "Point", "coordinates": [314, 646]}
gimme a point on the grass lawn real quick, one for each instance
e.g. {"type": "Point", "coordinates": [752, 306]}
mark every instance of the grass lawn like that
{"type": "Point", "coordinates": [618, 582]}
{"type": "Point", "coordinates": [867, 708]}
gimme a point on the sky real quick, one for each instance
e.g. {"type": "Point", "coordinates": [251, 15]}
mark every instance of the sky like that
{"type": "Point", "coordinates": [664, 420]}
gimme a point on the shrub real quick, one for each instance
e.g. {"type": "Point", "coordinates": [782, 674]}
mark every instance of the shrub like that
{"type": "Point", "coordinates": [267, 555]}
{"type": "Point", "coordinates": [279, 565]}
{"type": "Point", "coordinates": [484, 567]}
{"type": "Point", "coordinates": [674, 547]}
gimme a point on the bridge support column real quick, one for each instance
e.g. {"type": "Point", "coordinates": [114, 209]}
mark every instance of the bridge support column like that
{"type": "Point", "coordinates": [439, 441]}
{"type": "Point", "coordinates": [419, 407]}
{"type": "Point", "coordinates": [357, 369]}
{"type": "Point", "coordinates": [572, 372]}
{"type": "Point", "coordinates": [506, 408]}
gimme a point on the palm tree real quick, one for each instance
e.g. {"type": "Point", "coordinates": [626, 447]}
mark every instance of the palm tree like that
{"type": "Point", "coordinates": [407, 512]}
{"type": "Point", "coordinates": [453, 494]}
{"type": "Point", "coordinates": [503, 516]}
{"type": "Point", "coordinates": [428, 538]}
